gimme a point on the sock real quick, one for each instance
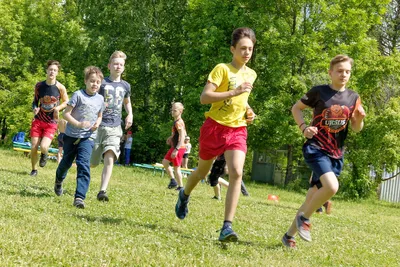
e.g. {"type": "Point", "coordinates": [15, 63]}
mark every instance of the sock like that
{"type": "Point", "coordinates": [288, 236]}
{"type": "Point", "coordinates": [304, 219]}
{"type": "Point", "coordinates": [184, 195]}
{"type": "Point", "coordinates": [227, 224]}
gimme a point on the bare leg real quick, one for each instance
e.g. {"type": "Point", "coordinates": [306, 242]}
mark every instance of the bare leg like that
{"type": "Point", "coordinates": [109, 158]}
{"type": "Point", "coordinates": [197, 175]}
{"type": "Point", "coordinates": [235, 161]}
{"type": "Point", "coordinates": [44, 145]}
{"type": "Point", "coordinates": [168, 169]}
{"type": "Point", "coordinates": [223, 182]}
{"type": "Point", "coordinates": [316, 198]}
{"type": "Point", "coordinates": [178, 175]}
{"type": "Point", "coordinates": [34, 150]}
{"type": "Point", "coordinates": [217, 191]}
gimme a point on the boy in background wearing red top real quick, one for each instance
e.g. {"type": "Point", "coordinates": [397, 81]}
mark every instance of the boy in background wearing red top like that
{"type": "Point", "coordinates": [178, 148]}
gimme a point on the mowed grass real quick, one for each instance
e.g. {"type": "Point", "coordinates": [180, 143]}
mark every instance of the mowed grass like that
{"type": "Point", "coordinates": [138, 226]}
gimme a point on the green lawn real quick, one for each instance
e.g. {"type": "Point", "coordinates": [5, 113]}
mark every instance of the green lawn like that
{"type": "Point", "coordinates": [138, 226]}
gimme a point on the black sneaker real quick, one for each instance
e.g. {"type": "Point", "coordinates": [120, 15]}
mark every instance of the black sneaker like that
{"type": "Point", "coordinates": [43, 160]}
{"type": "Point", "coordinates": [172, 184]}
{"type": "Point", "coordinates": [58, 188]}
{"type": "Point", "coordinates": [217, 198]}
{"type": "Point", "coordinates": [102, 196]}
{"type": "Point", "coordinates": [244, 190]}
{"type": "Point", "coordinates": [181, 207]}
{"type": "Point", "coordinates": [179, 188]}
{"type": "Point", "coordinates": [78, 202]}
{"type": "Point", "coordinates": [33, 173]}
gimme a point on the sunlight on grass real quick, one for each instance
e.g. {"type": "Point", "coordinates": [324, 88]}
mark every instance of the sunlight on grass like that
{"type": "Point", "coordinates": [138, 226]}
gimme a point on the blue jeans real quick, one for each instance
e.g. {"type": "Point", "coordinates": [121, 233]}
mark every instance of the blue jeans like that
{"type": "Point", "coordinates": [127, 156]}
{"type": "Point", "coordinates": [81, 149]}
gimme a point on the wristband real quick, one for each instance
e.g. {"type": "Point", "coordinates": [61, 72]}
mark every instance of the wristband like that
{"type": "Point", "coordinates": [302, 124]}
{"type": "Point", "coordinates": [305, 129]}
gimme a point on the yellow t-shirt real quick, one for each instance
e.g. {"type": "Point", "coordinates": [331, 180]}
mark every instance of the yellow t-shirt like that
{"type": "Point", "coordinates": [230, 112]}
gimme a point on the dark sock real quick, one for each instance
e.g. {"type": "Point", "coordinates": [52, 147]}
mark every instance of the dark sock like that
{"type": "Point", "coordinates": [304, 219]}
{"type": "Point", "coordinates": [288, 236]}
{"type": "Point", "coordinates": [185, 196]}
{"type": "Point", "coordinates": [227, 224]}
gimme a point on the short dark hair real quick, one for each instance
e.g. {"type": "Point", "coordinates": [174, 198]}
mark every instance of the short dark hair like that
{"type": "Point", "coordinates": [340, 58]}
{"type": "Point", "coordinates": [53, 62]}
{"type": "Point", "coordinates": [92, 69]}
{"type": "Point", "coordinates": [243, 32]}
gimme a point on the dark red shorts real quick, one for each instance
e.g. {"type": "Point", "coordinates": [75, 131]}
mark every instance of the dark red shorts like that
{"type": "Point", "coordinates": [177, 161]}
{"type": "Point", "coordinates": [43, 129]}
{"type": "Point", "coordinates": [215, 139]}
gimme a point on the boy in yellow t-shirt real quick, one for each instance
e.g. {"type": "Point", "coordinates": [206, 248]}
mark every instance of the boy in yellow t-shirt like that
{"type": "Point", "coordinates": [224, 131]}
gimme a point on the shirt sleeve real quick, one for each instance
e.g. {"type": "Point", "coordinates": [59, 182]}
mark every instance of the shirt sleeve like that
{"type": "Point", "coordinates": [73, 100]}
{"type": "Point", "coordinates": [216, 76]}
{"type": "Point", "coordinates": [311, 97]}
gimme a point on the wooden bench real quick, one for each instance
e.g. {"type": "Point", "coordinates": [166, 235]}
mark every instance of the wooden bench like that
{"type": "Point", "coordinates": [26, 148]}
{"type": "Point", "coordinates": [159, 167]}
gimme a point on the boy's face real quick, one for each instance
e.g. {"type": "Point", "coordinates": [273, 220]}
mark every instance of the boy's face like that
{"type": "Point", "coordinates": [176, 111]}
{"type": "Point", "coordinates": [340, 73]}
{"type": "Point", "coordinates": [52, 72]}
{"type": "Point", "coordinates": [243, 50]}
{"type": "Point", "coordinates": [93, 84]}
{"type": "Point", "coordinates": [117, 66]}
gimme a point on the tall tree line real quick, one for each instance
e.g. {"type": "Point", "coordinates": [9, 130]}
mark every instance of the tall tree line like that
{"type": "Point", "coordinates": [173, 44]}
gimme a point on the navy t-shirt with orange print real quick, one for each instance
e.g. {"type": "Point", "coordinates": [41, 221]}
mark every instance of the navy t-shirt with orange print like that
{"type": "Point", "coordinates": [332, 112]}
{"type": "Point", "coordinates": [47, 97]}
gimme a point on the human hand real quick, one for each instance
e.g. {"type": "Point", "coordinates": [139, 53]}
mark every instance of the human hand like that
{"type": "Point", "coordinates": [358, 113]}
{"type": "Point", "coordinates": [243, 88]}
{"type": "Point", "coordinates": [94, 127]}
{"type": "Point", "coordinates": [310, 131]}
{"type": "Point", "coordinates": [250, 115]}
{"type": "Point", "coordinates": [36, 111]}
{"type": "Point", "coordinates": [128, 122]}
{"type": "Point", "coordinates": [174, 153]}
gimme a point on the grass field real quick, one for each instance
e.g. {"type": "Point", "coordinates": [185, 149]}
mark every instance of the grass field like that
{"type": "Point", "coordinates": [138, 226]}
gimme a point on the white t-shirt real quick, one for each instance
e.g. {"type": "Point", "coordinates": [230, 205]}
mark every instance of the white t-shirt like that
{"type": "Point", "coordinates": [188, 148]}
{"type": "Point", "coordinates": [128, 143]}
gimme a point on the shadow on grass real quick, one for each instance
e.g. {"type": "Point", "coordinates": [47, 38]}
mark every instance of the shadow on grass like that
{"type": "Point", "coordinates": [32, 191]}
{"type": "Point", "coordinates": [101, 219]}
{"type": "Point", "coordinates": [225, 246]}
{"type": "Point", "coordinates": [15, 172]}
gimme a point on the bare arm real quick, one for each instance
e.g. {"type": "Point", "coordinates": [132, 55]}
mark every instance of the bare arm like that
{"type": "Point", "coordinates": [64, 98]}
{"type": "Point", "coordinates": [297, 112]}
{"type": "Point", "coordinates": [128, 109]}
{"type": "Point", "coordinates": [357, 120]}
{"type": "Point", "coordinates": [209, 95]}
{"type": "Point", "coordinates": [250, 115]}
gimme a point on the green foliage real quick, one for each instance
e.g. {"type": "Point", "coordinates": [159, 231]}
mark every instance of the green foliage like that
{"type": "Point", "coordinates": [172, 45]}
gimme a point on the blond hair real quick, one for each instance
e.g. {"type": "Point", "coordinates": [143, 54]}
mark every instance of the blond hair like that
{"type": "Point", "coordinates": [340, 58]}
{"type": "Point", "coordinates": [93, 70]}
{"type": "Point", "coordinates": [117, 54]}
{"type": "Point", "coordinates": [179, 105]}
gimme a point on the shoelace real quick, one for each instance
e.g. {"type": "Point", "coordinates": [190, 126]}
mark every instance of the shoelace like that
{"type": "Point", "coordinates": [306, 226]}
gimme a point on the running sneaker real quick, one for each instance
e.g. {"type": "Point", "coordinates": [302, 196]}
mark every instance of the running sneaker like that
{"type": "Point", "coordinates": [244, 190]}
{"type": "Point", "coordinates": [303, 227]}
{"type": "Point", "coordinates": [172, 184]}
{"type": "Point", "coordinates": [228, 235]}
{"type": "Point", "coordinates": [58, 188]}
{"type": "Point", "coordinates": [102, 196]}
{"type": "Point", "coordinates": [181, 209]}
{"type": "Point", "coordinates": [78, 202]}
{"type": "Point", "coordinates": [33, 173]}
{"type": "Point", "coordinates": [43, 160]}
{"type": "Point", "coordinates": [319, 211]}
{"type": "Point", "coordinates": [288, 242]}
{"type": "Point", "coordinates": [217, 198]}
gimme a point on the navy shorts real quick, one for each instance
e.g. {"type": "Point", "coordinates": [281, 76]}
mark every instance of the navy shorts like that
{"type": "Point", "coordinates": [320, 163]}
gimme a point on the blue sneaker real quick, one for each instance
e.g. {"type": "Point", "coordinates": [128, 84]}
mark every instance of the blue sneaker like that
{"type": "Point", "coordinates": [181, 209]}
{"type": "Point", "coordinates": [228, 235]}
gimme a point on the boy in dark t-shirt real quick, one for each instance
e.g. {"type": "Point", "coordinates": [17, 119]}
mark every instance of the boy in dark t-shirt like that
{"type": "Point", "coordinates": [49, 99]}
{"type": "Point", "coordinates": [333, 107]}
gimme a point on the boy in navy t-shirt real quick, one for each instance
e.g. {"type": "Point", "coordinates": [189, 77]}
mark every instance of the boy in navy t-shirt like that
{"type": "Point", "coordinates": [333, 107]}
